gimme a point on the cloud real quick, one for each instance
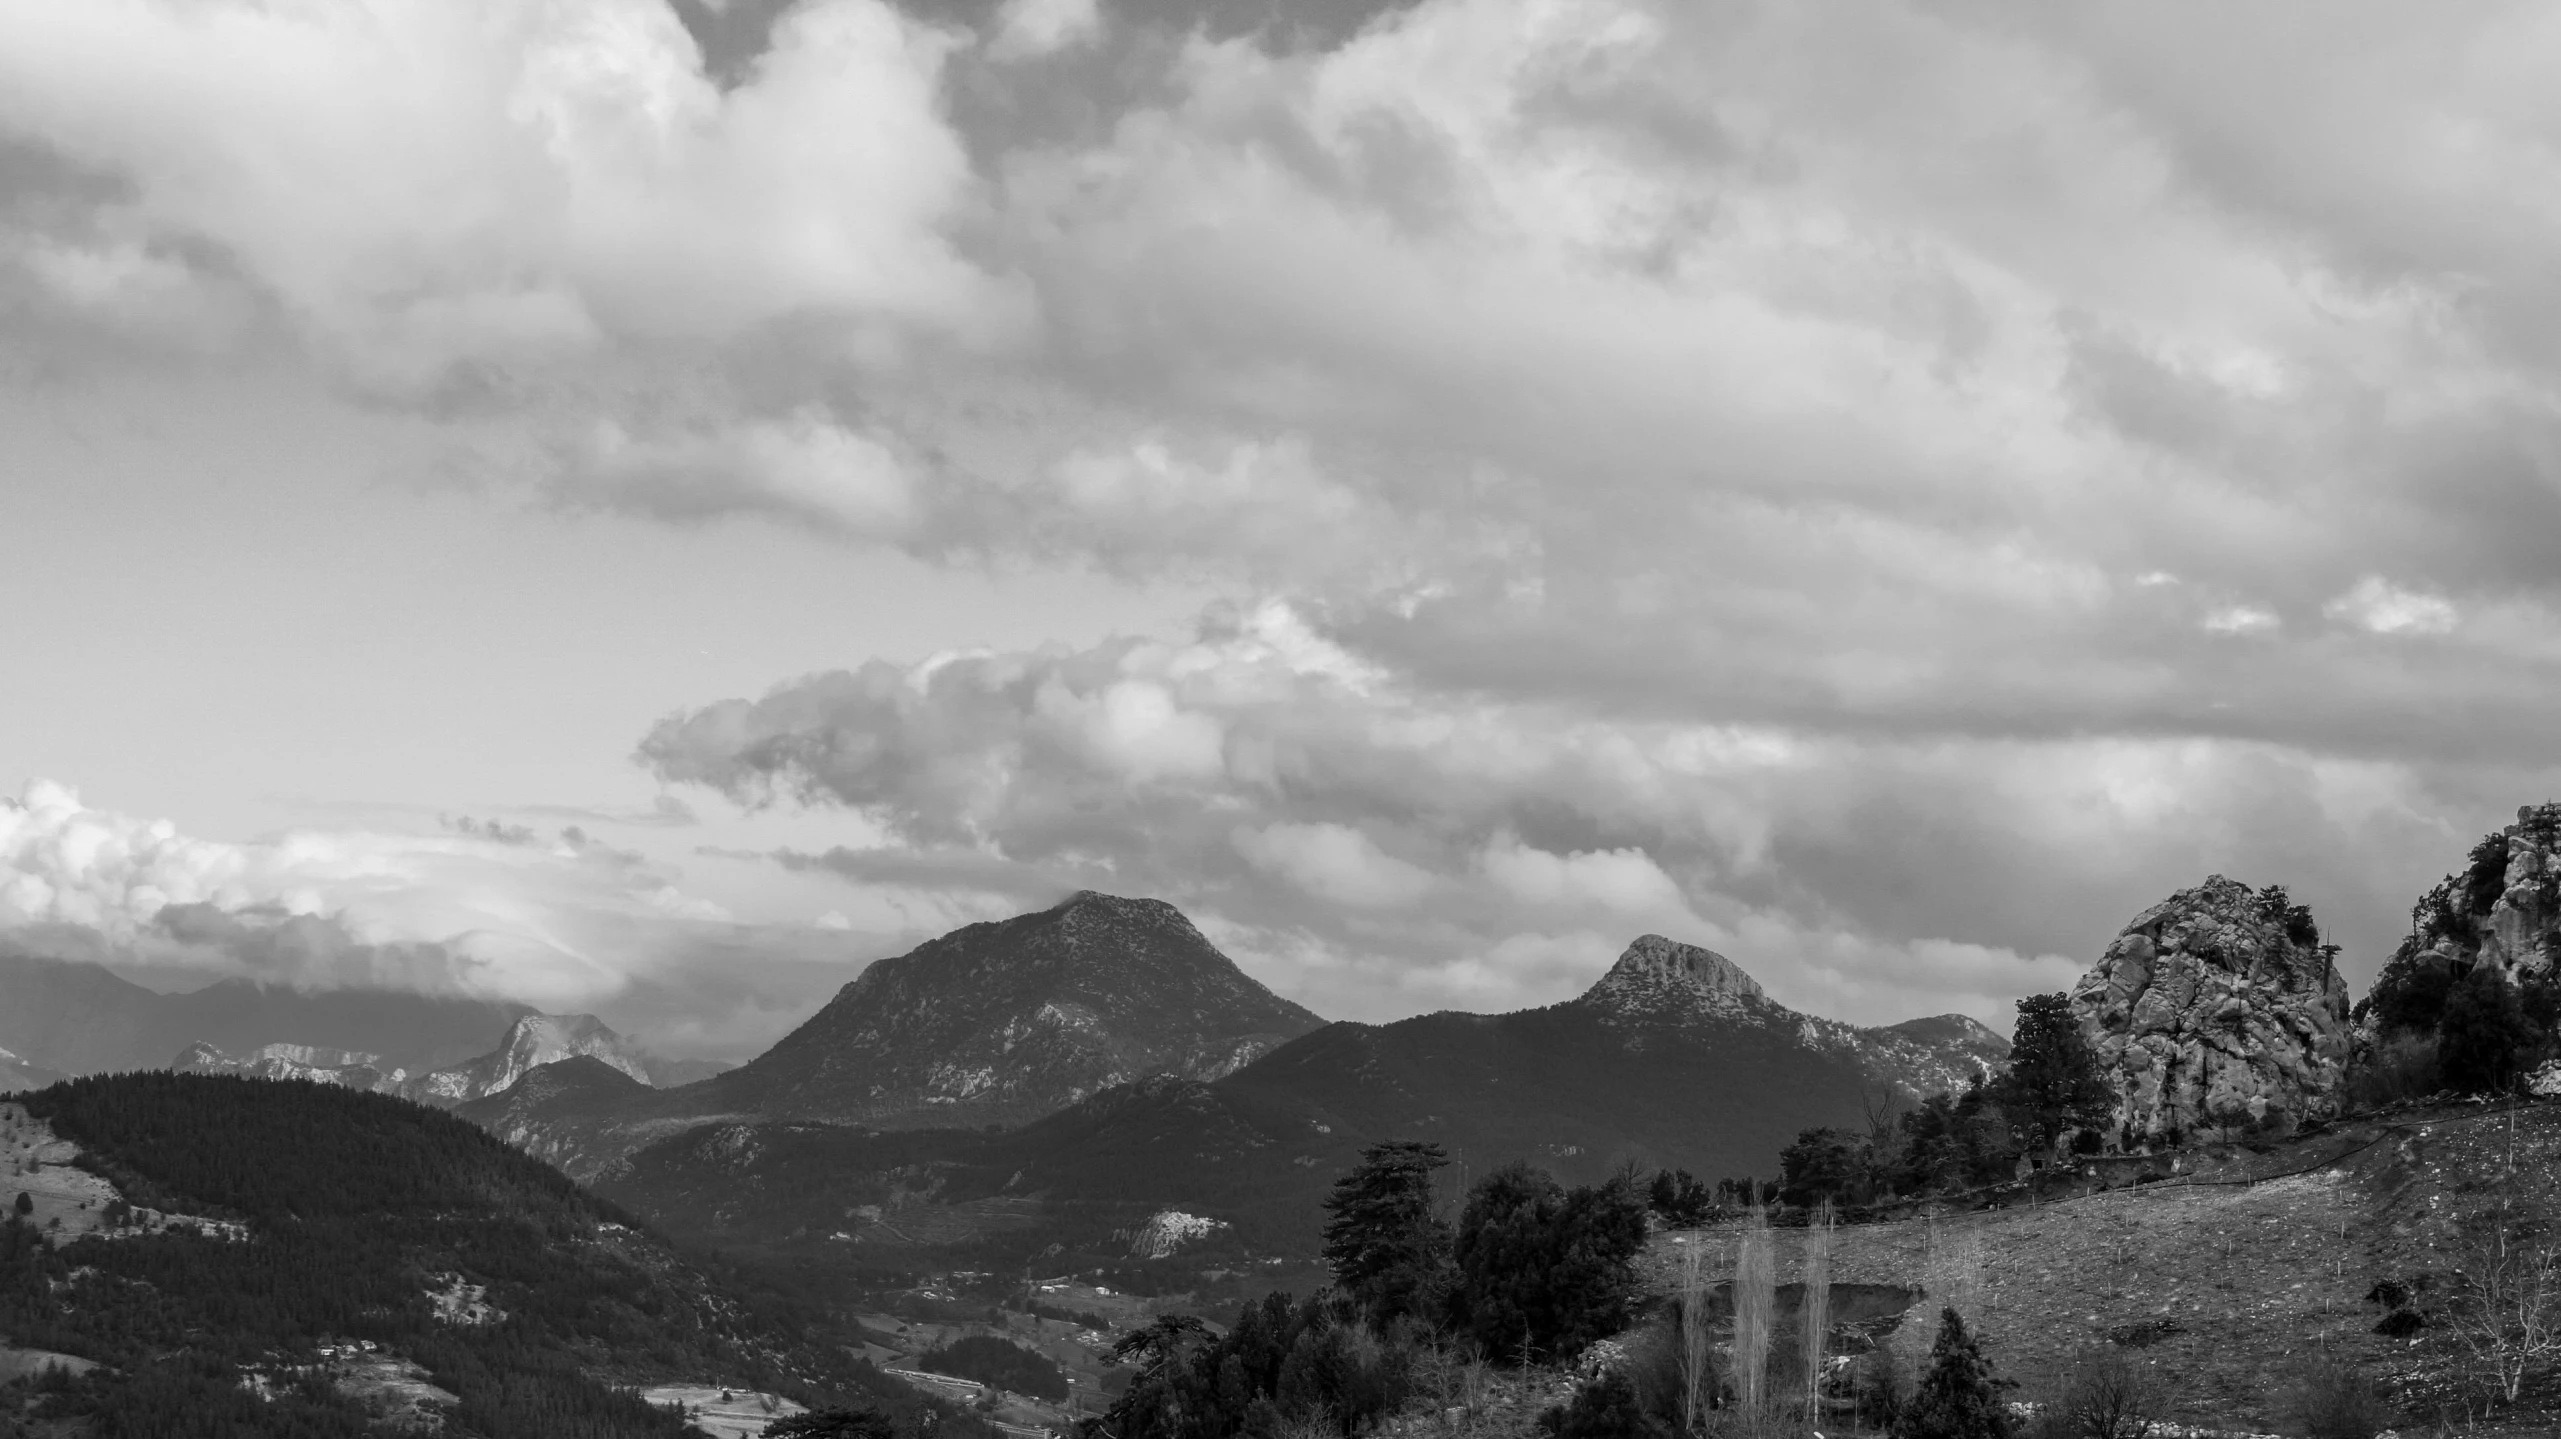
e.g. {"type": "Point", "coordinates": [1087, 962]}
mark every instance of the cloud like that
{"type": "Point", "coordinates": [1031, 28]}
{"type": "Point", "coordinates": [2379, 605]}
{"type": "Point", "coordinates": [1373, 846]}
{"type": "Point", "coordinates": [1695, 451]}
{"type": "Point", "coordinates": [480, 908]}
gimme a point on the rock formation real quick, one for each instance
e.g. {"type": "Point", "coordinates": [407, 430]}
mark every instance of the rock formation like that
{"type": "Point", "coordinates": [533, 1041]}
{"type": "Point", "coordinates": [1663, 983]}
{"type": "Point", "coordinates": [2504, 909]}
{"type": "Point", "coordinates": [2216, 1010]}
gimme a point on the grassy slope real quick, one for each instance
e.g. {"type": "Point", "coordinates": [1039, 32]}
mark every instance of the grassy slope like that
{"type": "Point", "coordinates": [2255, 1274]}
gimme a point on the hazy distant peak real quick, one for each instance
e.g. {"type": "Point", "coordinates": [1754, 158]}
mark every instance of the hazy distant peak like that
{"type": "Point", "coordinates": [1657, 976]}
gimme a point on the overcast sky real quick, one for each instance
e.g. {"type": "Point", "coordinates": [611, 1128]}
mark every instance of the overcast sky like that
{"type": "Point", "coordinates": [643, 509]}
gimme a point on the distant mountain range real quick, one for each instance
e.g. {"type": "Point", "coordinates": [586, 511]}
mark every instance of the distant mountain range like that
{"type": "Point", "coordinates": [76, 1017]}
{"type": "Point", "coordinates": [62, 1017]}
{"type": "Point", "coordinates": [1675, 1058]}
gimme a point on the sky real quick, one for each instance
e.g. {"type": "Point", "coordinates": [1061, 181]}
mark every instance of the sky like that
{"type": "Point", "coordinates": [644, 507]}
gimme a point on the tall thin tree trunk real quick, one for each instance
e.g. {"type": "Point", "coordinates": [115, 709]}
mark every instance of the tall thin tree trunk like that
{"type": "Point", "coordinates": [1755, 1300]}
{"type": "Point", "coordinates": [1694, 1333]}
{"type": "Point", "coordinates": [1817, 1309]}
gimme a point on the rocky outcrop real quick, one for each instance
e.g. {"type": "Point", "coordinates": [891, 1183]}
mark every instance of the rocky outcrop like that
{"type": "Point", "coordinates": [2504, 909]}
{"type": "Point", "coordinates": [351, 1068]}
{"type": "Point", "coordinates": [531, 1042]}
{"type": "Point", "coordinates": [2217, 1010]}
{"type": "Point", "coordinates": [1659, 984]}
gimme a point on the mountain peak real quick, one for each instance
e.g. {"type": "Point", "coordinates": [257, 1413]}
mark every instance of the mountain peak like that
{"type": "Point", "coordinates": [1659, 977]}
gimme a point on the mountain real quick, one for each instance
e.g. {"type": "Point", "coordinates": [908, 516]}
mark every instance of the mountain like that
{"type": "Point", "coordinates": [994, 1023]}
{"type": "Point", "coordinates": [78, 1017]}
{"type": "Point", "coordinates": [346, 1068]}
{"type": "Point", "coordinates": [1661, 985]}
{"type": "Point", "coordinates": [1676, 1058]}
{"type": "Point", "coordinates": [248, 1257]}
{"type": "Point", "coordinates": [532, 1041]}
{"type": "Point", "coordinates": [1009, 1020]}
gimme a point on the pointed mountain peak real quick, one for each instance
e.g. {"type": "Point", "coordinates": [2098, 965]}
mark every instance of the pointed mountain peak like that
{"type": "Point", "coordinates": [1665, 978]}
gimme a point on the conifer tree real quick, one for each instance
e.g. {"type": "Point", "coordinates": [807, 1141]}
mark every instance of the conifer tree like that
{"type": "Point", "coordinates": [2053, 1081]}
{"type": "Point", "coordinates": [1387, 1249]}
{"type": "Point", "coordinates": [1956, 1398]}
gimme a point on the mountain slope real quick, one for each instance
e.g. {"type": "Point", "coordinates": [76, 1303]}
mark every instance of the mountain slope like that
{"type": "Point", "coordinates": [407, 1241]}
{"type": "Point", "coordinates": [1676, 1058]}
{"type": "Point", "coordinates": [1005, 1021]}
{"type": "Point", "coordinates": [994, 1023]}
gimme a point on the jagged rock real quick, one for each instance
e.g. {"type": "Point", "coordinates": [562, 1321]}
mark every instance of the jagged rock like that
{"type": "Point", "coordinates": [532, 1041]}
{"type": "Point", "coordinates": [2504, 909]}
{"type": "Point", "coordinates": [1661, 982]}
{"type": "Point", "coordinates": [2217, 1009]}
{"type": "Point", "coordinates": [351, 1068]}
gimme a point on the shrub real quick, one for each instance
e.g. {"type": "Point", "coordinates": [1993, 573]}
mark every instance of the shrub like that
{"type": "Point", "coordinates": [2409, 995]}
{"type": "Point", "coordinates": [2484, 1037]}
{"type": "Point", "coordinates": [1606, 1408]}
{"type": "Point", "coordinates": [2397, 1069]}
{"type": "Point", "coordinates": [2104, 1394]}
{"type": "Point", "coordinates": [2333, 1400]}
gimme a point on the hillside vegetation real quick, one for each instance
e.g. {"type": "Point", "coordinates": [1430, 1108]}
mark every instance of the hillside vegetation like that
{"type": "Point", "coordinates": [383, 1239]}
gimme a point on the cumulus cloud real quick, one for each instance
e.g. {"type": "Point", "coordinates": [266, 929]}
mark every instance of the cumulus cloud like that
{"type": "Point", "coordinates": [484, 908]}
{"type": "Point", "coordinates": [1677, 430]}
{"type": "Point", "coordinates": [1374, 846]}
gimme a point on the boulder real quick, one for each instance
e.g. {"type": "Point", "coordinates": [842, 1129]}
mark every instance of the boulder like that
{"type": "Point", "coordinates": [2217, 1011]}
{"type": "Point", "coordinates": [2504, 909]}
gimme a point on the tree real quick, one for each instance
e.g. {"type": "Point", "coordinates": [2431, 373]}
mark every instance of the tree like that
{"type": "Point", "coordinates": [1387, 1249]}
{"type": "Point", "coordinates": [25, 1204]}
{"type": "Point", "coordinates": [1824, 1164]}
{"type": "Point", "coordinates": [1544, 1271]}
{"type": "Point", "coordinates": [1956, 1398]}
{"type": "Point", "coordinates": [833, 1424]}
{"type": "Point", "coordinates": [2053, 1082]}
{"type": "Point", "coordinates": [2484, 1035]}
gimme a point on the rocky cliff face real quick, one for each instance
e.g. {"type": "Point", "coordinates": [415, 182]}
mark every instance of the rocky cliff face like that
{"type": "Point", "coordinates": [351, 1068]}
{"type": "Point", "coordinates": [533, 1041]}
{"type": "Point", "coordinates": [1010, 1020]}
{"type": "Point", "coordinates": [2216, 1010]}
{"type": "Point", "coordinates": [2504, 909]}
{"type": "Point", "coordinates": [1662, 984]}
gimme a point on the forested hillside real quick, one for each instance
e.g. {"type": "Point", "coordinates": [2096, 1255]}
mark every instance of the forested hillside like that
{"type": "Point", "coordinates": [370, 1220]}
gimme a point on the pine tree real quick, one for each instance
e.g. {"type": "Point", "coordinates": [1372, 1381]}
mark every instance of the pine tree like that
{"type": "Point", "coordinates": [1387, 1249]}
{"type": "Point", "coordinates": [1956, 1398]}
{"type": "Point", "coordinates": [2053, 1081]}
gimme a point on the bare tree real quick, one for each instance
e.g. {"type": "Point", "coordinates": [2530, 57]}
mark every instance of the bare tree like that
{"type": "Point", "coordinates": [1694, 1370]}
{"type": "Point", "coordinates": [1755, 1300]}
{"type": "Point", "coordinates": [1816, 1310]}
{"type": "Point", "coordinates": [2507, 1299]}
{"type": "Point", "coordinates": [2107, 1394]}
